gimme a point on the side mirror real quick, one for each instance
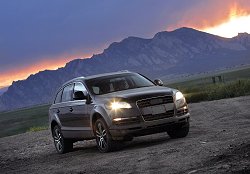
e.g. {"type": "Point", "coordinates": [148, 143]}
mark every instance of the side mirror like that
{"type": "Point", "coordinates": [79, 95]}
{"type": "Point", "coordinates": [158, 82]}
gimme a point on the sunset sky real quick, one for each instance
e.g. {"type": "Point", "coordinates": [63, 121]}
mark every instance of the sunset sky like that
{"type": "Point", "coordinates": [45, 34]}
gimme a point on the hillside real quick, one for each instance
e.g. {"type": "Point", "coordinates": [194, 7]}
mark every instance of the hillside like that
{"type": "Point", "coordinates": [183, 51]}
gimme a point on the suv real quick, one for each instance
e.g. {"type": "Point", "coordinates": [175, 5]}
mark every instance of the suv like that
{"type": "Point", "coordinates": [115, 107]}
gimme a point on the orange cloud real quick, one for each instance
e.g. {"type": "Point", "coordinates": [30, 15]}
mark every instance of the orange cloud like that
{"type": "Point", "coordinates": [207, 14]}
{"type": "Point", "coordinates": [7, 77]}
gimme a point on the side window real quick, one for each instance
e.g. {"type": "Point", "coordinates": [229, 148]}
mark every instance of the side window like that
{"type": "Point", "coordinates": [58, 97]}
{"type": "Point", "coordinates": [79, 87]}
{"type": "Point", "coordinates": [67, 93]}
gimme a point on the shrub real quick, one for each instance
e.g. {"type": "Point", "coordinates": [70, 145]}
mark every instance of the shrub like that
{"type": "Point", "coordinates": [37, 128]}
{"type": "Point", "coordinates": [217, 91]}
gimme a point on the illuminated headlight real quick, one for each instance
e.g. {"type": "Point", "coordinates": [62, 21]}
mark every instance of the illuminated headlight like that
{"type": "Point", "coordinates": [118, 105]}
{"type": "Point", "coordinates": [180, 100]}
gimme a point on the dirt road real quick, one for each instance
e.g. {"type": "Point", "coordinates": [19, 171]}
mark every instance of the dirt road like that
{"type": "Point", "coordinates": [219, 142]}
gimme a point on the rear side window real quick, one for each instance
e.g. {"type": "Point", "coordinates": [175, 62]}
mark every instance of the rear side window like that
{"type": "Point", "coordinates": [58, 97]}
{"type": "Point", "coordinates": [67, 93]}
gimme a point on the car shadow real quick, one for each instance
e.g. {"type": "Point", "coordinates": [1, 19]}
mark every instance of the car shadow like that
{"type": "Point", "coordinates": [136, 143]}
{"type": "Point", "coordinates": [146, 141]}
{"type": "Point", "coordinates": [86, 150]}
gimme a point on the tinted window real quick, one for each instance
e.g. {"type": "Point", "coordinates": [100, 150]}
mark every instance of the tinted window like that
{"type": "Point", "coordinates": [67, 93]}
{"type": "Point", "coordinates": [58, 97]}
{"type": "Point", "coordinates": [79, 87]}
{"type": "Point", "coordinates": [113, 83]}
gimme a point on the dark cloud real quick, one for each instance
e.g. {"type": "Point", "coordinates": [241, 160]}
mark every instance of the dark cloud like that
{"type": "Point", "coordinates": [32, 30]}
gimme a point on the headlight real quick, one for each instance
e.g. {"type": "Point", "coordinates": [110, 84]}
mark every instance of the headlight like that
{"type": "Point", "coordinates": [180, 100]}
{"type": "Point", "coordinates": [118, 105]}
{"type": "Point", "coordinates": [178, 95]}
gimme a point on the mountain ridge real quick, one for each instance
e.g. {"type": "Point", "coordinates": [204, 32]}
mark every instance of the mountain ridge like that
{"type": "Point", "coordinates": [181, 51]}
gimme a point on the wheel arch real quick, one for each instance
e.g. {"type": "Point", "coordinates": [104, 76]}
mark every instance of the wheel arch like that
{"type": "Point", "coordinates": [53, 124]}
{"type": "Point", "coordinates": [97, 113]}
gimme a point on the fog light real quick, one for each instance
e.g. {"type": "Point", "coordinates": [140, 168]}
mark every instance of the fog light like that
{"type": "Point", "coordinates": [117, 119]}
{"type": "Point", "coordinates": [124, 118]}
{"type": "Point", "coordinates": [182, 111]}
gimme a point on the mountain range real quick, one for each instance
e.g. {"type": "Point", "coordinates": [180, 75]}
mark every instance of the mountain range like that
{"type": "Point", "coordinates": [182, 51]}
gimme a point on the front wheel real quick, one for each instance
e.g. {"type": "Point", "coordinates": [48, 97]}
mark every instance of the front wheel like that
{"type": "Point", "coordinates": [179, 131]}
{"type": "Point", "coordinates": [62, 145]}
{"type": "Point", "coordinates": [104, 141]}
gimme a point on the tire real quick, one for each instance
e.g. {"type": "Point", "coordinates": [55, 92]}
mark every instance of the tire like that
{"type": "Point", "coordinates": [179, 131]}
{"type": "Point", "coordinates": [62, 145]}
{"type": "Point", "coordinates": [104, 141]}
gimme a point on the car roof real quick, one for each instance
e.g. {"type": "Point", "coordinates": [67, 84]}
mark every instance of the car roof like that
{"type": "Point", "coordinates": [107, 74]}
{"type": "Point", "coordinates": [96, 76]}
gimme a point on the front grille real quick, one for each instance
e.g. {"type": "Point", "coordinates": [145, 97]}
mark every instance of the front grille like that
{"type": "Point", "coordinates": [149, 108]}
{"type": "Point", "coordinates": [154, 101]}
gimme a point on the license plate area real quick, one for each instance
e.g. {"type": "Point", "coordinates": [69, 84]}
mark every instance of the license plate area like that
{"type": "Point", "coordinates": [157, 109]}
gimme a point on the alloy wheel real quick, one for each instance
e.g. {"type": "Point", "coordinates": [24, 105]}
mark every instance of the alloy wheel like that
{"type": "Point", "coordinates": [101, 135]}
{"type": "Point", "coordinates": [58, 139]}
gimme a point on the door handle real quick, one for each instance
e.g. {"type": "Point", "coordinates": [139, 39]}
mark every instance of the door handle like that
{"type": "Point", "coordinates": [70, 109]}
{"type": "Point", "coordinates": [58, 111]}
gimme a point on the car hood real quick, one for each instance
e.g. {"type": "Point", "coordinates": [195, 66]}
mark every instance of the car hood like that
{"type": "Point", "coordinates": [138, 93]}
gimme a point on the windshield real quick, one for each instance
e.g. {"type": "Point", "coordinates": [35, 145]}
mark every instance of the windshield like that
{"type": "Point", "coordinates": [113, 83]}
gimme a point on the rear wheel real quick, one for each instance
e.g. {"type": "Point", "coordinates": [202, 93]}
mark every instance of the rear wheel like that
{"type": "Point", "coordinates": [104, 141]}
{"type": "Point", "coordinates": [62, 145]}
{"type": "Point", "coordinates": [179, 131]}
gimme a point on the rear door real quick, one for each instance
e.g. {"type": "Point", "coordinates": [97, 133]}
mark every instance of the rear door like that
{"type": "Point", "coordinates": [65, 112]}
{"type": "Point", "coordinates": [55, 108]}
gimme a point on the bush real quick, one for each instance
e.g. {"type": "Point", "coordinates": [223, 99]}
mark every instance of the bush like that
{"type": "Point", "coordinates": [196, 97]}
{"type": "Point", "coordinates": [37, 128]}
{"type": "Point", "coordinates": [217, 91]}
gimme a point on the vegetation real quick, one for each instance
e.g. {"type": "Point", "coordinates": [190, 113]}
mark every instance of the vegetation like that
{"type": "Point", "coordinates": [217, 91]}
{"type": "Point", "coordinates": [23, 120]}
{"type": "Point", "coordinates": [233, 84]}
{"type": "Point", "coordinates": [37, 128]}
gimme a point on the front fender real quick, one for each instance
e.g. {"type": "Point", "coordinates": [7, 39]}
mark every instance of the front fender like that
{"type": "Point", "coordinates": [103, 113]}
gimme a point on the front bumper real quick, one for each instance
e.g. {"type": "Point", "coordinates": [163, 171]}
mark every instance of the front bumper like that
{"type": "Point", "coordinates": [119, 132]}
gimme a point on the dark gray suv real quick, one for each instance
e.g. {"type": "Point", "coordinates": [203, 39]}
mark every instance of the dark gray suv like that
{"type": "Point", "coordinates": [115, 107]}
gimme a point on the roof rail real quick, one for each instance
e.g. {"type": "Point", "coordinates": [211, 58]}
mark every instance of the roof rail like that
{"type": "Point", "coordinates": [77, 78]}
{"type": "Point", "coordinates": [124, 71]}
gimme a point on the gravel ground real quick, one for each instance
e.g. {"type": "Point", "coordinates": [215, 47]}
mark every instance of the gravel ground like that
{"type": "Point", "coordinates": [218, 142]}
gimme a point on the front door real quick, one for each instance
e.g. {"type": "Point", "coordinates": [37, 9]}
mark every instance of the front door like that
{"type": "Point", "coordinates": [78, 110]}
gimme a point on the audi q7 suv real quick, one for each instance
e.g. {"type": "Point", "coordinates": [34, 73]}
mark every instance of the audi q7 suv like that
{"type": "Point", "coordinates": [115, 107]}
